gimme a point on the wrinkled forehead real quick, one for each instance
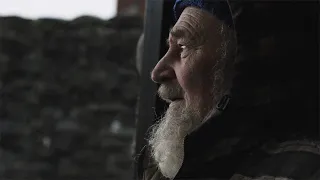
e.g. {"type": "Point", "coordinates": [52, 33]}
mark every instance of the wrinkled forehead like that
{"type": "Point", "coordinates": [218, 8]}
{"type": "Point", "coordinates": [194, 22]}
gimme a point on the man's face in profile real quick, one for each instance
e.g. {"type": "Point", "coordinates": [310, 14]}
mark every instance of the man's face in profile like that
{"type": "Point", "coordinates": [191, 79]}
{"type": "Point", "coordinates": [186, 71]}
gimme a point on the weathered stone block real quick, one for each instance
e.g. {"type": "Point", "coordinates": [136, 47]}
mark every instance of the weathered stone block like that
{"type": "Point", "coordinates": [67, 98]}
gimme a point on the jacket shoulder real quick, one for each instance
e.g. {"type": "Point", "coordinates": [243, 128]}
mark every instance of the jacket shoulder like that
{"type": "Point", "coordinates": [290, 160]}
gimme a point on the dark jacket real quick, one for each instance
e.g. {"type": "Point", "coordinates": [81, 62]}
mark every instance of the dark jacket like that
{"type": "Point", "coordinates": [245, 150]}
{"type": "Point", "coordinates": [270, 129]}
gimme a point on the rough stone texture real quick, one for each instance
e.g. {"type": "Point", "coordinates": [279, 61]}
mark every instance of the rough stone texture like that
{"type": "Point", "coordinates": [68, 92]}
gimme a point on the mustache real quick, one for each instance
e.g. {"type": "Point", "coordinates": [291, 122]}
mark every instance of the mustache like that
{"type": "Point", "coordinates": [170, 92]}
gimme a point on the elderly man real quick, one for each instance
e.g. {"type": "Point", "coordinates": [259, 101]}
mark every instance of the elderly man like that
{"type": "Point", "coordinates": [238, 104]}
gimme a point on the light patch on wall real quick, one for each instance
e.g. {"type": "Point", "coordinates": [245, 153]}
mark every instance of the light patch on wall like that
{"type": "Point", "coordinates": [63, 9]}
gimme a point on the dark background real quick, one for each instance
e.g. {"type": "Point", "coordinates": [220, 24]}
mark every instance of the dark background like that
{"type": "Point", "coordinates": [68, 92]}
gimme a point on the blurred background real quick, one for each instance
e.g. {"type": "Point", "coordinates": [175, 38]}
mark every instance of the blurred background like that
{"type": "Point", "coordinates": [68, 88]}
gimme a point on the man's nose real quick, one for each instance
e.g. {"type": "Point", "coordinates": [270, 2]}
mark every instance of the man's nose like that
{"type": "Point", "coordinates": [163, 71]}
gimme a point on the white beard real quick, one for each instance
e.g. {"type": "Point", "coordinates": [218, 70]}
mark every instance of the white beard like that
{"type": "Point", "coordinates": [167, 137]}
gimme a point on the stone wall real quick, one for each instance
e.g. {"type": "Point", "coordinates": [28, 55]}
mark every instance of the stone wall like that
{"type": "Point", "coordinates": [68, 92]}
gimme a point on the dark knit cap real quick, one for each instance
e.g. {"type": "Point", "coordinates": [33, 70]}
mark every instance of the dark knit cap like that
{"type": "Point", "coordinates": [218, 8]}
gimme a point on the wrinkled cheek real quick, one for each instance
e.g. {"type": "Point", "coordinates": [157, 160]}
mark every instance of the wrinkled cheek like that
{"type": "Point", "coordinates": [187, 78]}
{"type": "Point", "coordinates": [191, 85]}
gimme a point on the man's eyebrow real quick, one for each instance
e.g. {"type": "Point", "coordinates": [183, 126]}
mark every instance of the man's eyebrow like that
{"type": "Point", "coordinates": [177, 32]}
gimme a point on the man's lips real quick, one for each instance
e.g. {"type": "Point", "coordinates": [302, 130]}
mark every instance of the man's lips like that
{"type": "Point", "coordinates": [176, 99]}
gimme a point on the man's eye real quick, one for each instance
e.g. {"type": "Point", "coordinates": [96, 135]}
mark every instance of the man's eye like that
{"type": "Point", "coordinates": [182, 46]}
{"type": "Point", "coordinates": [183, 50]}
